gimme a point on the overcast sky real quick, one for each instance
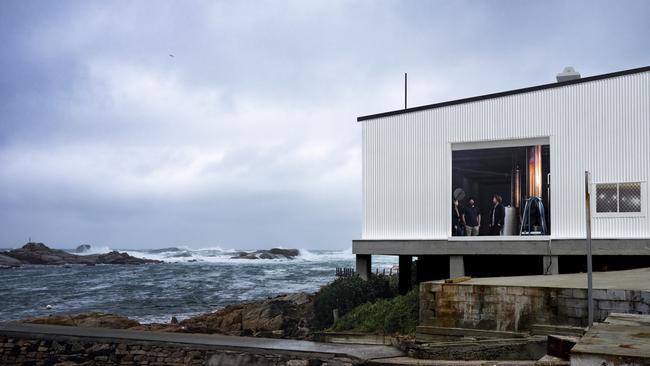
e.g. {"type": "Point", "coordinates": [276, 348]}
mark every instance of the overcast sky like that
{"type": "Point", "coordinates": [151, 124]}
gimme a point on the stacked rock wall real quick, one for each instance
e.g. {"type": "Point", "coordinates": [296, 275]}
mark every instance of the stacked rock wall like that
{"type": "Point", "coordinates": [66, 351]}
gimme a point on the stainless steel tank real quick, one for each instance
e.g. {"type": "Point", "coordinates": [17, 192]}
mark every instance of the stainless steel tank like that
{"type": "Point", "coordinates": [511, 221]}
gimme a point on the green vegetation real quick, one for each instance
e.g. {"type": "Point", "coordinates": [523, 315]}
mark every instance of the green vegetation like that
{"type": "Point", "coordinates": [347, 293]}
{"type": "Point", "coordinates": [384, 316]}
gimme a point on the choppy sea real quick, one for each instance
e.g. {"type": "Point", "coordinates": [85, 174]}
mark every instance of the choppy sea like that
{"type": "Point", "coordinates": [189, 282]}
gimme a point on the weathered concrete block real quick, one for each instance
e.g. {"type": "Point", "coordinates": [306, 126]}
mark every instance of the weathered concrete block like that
{"type": "Point", "coordinates": [573, 303]}
{"type": "Point", "coordinates": [492, 298]}
{"type": "Point", "coordinates": [645, 296]}
{"type": "Point", "coordinates": [620, 295]}
{"type": "Point", "coordinates": [642, 308]}
{"type": "Point", "coordinates": [600, 295]}
{"type": "Point", "coordinates": [515, 290]}
{"type": "Point", "coordinates": [424, 288]}
{"type": "Point", "coordinates": [465, 290]}
{"type": "Point", "coordinates": [432, 288]}
{"type": "Point", "coordinates": [450, 289]}
{"type": "Point", "coordinates": [572, 312]}
{"type": "Point", "coordinates": [634, 295]}
{"type": "Point", "coordinates": [600, 314]}
{"type": "Point", "coordinates": [565, 292]}
{"type": "Point", "coordinates": [615, 306]}
{"type": "Point", "coordinates": [533, 291]}
{"type": "Point", "coordinates": [579, 293]}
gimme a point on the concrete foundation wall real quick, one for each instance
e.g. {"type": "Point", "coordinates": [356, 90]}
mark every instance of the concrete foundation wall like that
{"type": "Point", "coordinates": [513, 308]}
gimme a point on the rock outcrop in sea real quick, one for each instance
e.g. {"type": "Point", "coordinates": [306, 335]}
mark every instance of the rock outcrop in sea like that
{"type": "Point", "coordinates": [39, 253]}
{"type": "Point", "coordinates": [274, 253]}
{"type": "Point", "coordinates": [83, 248]}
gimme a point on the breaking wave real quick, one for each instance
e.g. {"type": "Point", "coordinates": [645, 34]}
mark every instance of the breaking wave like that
{"type": "Point", "coordinates": [184, 254]}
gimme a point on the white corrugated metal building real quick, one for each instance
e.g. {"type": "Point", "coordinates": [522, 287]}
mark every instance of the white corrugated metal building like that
{"type": "Point", "coordinates": [599, 124]}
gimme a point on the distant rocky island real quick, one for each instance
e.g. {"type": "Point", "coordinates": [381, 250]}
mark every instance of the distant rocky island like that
{"type": "Point", "coordinates": [41, 254]}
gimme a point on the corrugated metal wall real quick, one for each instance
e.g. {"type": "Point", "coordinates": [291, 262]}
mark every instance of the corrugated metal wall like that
{"type": "Point", "coordinates": [602, 126]}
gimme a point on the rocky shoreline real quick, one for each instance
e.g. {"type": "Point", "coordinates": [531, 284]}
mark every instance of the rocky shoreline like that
{"type": "Point", "coordinates": [284, 316]}
{"type": "Point", "coordinates": [40, 254]}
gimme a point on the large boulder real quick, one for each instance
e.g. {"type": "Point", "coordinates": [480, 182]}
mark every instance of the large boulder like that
{"type": "Point", "coordinates": [280, 317]}
{"type": "Point", "coordinates": [90, 320]}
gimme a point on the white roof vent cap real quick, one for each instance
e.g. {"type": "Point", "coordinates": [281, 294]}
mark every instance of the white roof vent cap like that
{"type": "Point", "coordinates": [569, 73]}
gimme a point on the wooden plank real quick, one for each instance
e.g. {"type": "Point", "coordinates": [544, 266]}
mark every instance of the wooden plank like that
{"type": "Point", "coordinates": [458, 279]}
{"type": "Point", "coordinates": [548, 329]}
{"type": "Point", "coordinates": [467, 332]}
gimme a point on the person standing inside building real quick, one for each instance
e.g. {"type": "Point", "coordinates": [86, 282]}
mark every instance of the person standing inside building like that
{"type": "Point", "coordinates": [497, 215]}
{"type": "Point", "coordinates": [472, 218]}
{"type": "Point", "coordinates": [456, 219]}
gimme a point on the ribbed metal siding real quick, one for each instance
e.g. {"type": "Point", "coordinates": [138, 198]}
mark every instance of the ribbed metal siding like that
{"type": "Point", "coordinates": [602, 126]}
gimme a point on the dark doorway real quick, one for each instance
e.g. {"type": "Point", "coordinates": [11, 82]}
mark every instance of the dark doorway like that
{"type": "Point", "coordinates": [516, 174]}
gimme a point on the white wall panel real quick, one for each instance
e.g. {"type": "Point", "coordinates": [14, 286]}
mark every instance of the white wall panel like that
{"type": "Point", "coordinates": [601, 125]}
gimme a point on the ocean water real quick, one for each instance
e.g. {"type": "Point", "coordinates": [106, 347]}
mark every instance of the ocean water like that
{"type": "Point", "coordinates": [190, 282]}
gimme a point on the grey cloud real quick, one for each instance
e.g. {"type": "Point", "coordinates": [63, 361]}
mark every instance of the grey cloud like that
{"type": "Point", "coordinates": [247, 136]}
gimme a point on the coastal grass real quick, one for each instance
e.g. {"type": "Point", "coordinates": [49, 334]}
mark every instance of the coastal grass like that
{"type": "Point", "coordinates": [384, 316]}
{"type": "Point", "coordinates": [346, 293]}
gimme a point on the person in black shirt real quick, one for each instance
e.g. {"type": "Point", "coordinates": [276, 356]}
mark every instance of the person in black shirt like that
{"type": "Point", "coordinates": [472, 218]}
{"type": "Point", "coordinates": [497, 215]}
{"type": "Point", "coordinates": [456, 219]}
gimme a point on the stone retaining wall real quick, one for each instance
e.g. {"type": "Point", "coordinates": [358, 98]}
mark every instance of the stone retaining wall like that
{"type": "Point", "coordinates": [68, 352]}
{"type": "Point", "coordinates": [514, 308]}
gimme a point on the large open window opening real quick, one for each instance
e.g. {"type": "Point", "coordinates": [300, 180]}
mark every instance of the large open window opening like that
{"type": "Point", "coordinates": [518, 176]}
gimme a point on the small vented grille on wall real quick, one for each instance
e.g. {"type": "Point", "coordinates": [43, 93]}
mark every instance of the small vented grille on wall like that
{"type": "Point", "coordinates": [618, 197]}
{"type": "Point", "coordinates": [606, 198]}
{"type": "Point", "coordinates": [630, 197]}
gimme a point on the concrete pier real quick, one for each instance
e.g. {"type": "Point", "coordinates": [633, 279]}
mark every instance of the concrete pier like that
{"type": "Point", "coordinates": [550, 265]}
{"type": "Point", "coordinates": [405, 274]}
{"type": "Point", "coordinates": [364, 265]}
{"type": "Point", "coordinates": [456, 266]}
